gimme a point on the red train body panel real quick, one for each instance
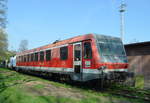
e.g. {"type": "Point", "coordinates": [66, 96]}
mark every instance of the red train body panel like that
{"type": "Point", "coordinates": [81, 57]}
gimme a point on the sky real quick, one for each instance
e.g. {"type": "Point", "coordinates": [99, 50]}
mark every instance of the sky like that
{"type": "Point", "coordinates": [42, 22]}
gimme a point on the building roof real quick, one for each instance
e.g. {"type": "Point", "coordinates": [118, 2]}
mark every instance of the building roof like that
{"type": "Point", "coordinates": [139, 43]}
{"type": "Point", "coordinates": [140, 48]}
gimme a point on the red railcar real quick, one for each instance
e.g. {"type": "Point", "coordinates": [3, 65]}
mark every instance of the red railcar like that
{"type": "Point", "coordinates": [83, 58]}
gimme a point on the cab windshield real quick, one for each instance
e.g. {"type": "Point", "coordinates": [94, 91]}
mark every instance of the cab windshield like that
{"type": "Point", "coordinates": [111, 49]}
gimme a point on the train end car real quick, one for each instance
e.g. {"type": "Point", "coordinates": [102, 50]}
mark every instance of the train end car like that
{"type": "Point", "coordinates": [102, 57]}
{"type": "Point", "coordinates": [82, 58]}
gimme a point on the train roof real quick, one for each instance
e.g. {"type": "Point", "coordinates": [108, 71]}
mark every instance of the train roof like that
{"type": "Point", "coordinates": [63, 42]}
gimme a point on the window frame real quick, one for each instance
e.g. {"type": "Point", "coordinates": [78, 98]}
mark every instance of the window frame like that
{"type": "Point", "coordinates": [36, 56]}
{"type": "Point", "coordinates": [41, 56]}
{"type": "Point", "coordinates": [62, 55]}
{"type": "Point", "coordinates": [28, 58]}
{"type": "Point", "coordinates": [85, 51]}
{"type": "Point", "coordinates": [32, 57]}
{"type": "Point", "coordinates": [24, 58]}
{"type": "Point", "coordinates": [48, 57]}
{"type": "Point", "coordinates": [21, 58]}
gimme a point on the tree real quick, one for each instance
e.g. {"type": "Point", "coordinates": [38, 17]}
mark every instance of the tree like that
{"type": "Point", "coordinates": [3, 44]}
{"type": "Point", "coordinates": [23, 45]}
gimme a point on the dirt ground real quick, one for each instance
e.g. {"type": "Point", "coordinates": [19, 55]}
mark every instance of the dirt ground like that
{"type": "Point", "coordinates": [49, 89]}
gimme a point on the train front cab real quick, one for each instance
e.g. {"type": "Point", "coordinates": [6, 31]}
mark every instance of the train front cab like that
{"type": "Point", "coordinates": [99, 57]}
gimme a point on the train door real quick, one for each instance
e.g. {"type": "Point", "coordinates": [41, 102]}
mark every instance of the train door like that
{"type": "Point", "coordinates": [77, 60]}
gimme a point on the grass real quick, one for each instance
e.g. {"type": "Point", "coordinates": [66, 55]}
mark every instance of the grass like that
{"type": "Point", "coordinates": [20, 88]}
{"type": "Point", "coordinates": [14, 95]}
{"type": "Point", "coordinates": [139, 81]}
{"type": "Point", "coordinates": [39, 86]}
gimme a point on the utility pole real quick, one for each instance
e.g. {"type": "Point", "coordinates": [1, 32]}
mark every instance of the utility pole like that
{"type": "Point", "coordinates": [3, 17]}
{"type": "Point", "coordinates": [122, 10]}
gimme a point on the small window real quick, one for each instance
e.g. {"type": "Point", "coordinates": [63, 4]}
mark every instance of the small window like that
{"type": "Point", "coordinates": [28, 57]}
{"type": "Point", "coordinates": [17, 58]}
{"type": "Point", "coordinates": [24, 58]}
{"type": "Point", "coordinates": [36, 57]}
{"type": "Point", "coordinates": [77, 52]}
{"type": "Point", "coordinates": [48, 55]}
{"type": "Point", "coordinates": [21, 58]}
{"type": "Point", "coordinates": [87, 50]}
{"type": "Point", "coordinates": [32, 57]}
{"type": "Point", "coordinates": [41, 56]}
{"type": "Point", "coordinates": [64, 53]}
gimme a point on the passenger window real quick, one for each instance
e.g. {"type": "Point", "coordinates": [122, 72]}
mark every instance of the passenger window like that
{"type": "Point", "coordinates": [87, 50]}
{"type": "Point", "coordinates": [21, 58]}
{"type": "Point", "coordinates": [18, 59]}
{"type": "Point", "coordinates": [36, 57]}
{"type": "Point", "coordinates": [32, 57]}
{"type": "Point", "coordinates": [64, 53]}
{"type": "Point", "coordinates": [77, 52]}
{"type": "Point", "coordinates": [41, 56]}
{"type": "Point", "coordinates": [24, 58]}
{"type": "Point", "coordinates": [48, 55]}
{"type": "Point", "coordinates": [28, 57]}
